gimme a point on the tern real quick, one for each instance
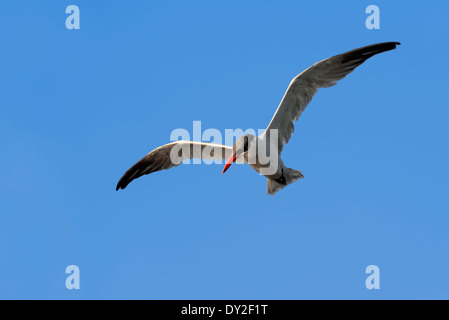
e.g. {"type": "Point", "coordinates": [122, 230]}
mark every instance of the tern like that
{"type": "Point", "coordinates": [247, 149]}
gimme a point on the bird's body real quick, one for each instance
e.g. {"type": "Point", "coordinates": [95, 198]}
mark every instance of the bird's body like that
{"type": "Point", "coordinates": [263, 153]}
{"type": "Point", "coordinates": [263, 156]}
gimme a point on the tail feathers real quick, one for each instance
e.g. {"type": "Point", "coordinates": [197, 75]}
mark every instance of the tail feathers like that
{"type": "Point", "coordinates": [290, 175]}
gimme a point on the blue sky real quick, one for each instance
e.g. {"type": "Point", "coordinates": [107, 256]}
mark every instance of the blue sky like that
{"type": "Point", "coordinates": [79, 107]}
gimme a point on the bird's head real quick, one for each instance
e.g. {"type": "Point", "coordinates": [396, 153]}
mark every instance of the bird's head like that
{"type": "Point", "coordinates": [240, 149]}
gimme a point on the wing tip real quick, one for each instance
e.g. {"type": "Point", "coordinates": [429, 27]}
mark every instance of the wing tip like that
{"type": "Point", "coordinates": [390, 45]}
{"type": "Point", "coordinates": [396, 44]}
{"type": "Point", "coordinates": [119, 186]}
{"type": "Point", "coordinates": [133, 173]}
{"type": "Point", "coordinates": [123, 183]}
{"type": "Point", "coordinates": [384, 46]}
{"type": "Point", "coordinates": [360, 55]}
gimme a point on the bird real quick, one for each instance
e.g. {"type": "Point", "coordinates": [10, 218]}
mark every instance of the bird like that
{"type": "Point", "coordinates": [262, 153]}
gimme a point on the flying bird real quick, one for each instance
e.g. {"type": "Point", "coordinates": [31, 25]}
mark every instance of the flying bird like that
{"type": "Point", "coordinates": [248, 148]}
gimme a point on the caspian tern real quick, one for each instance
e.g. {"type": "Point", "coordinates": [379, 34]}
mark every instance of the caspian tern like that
{"type": "Point", "coordinates": [248, 148]}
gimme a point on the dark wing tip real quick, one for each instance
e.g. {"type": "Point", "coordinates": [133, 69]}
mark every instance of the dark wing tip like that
{"type": "Point", "coordinates": [394, 44]}
{"type": "Point", "coordinates": [358, 56]}
{"type": "Point", "coordinates": [119, 184]}
{"type": "Point", "coordinates": [125, 179]}
{"type": "Point", "coordinates": [387, 45]}
{"type": "Point", "coordinates": [152, 162]}
{"type": "Point", "coordinates": [122, 184]}
{"type": "Point", "coordinates": [133, 173]}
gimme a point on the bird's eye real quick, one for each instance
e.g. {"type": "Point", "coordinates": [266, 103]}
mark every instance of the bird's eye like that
{"type": "Point", "coordinates": [245, 145]}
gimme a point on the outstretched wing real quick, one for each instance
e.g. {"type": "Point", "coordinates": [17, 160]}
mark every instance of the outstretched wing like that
{"type": "Point", "coordinates": [172, 155]}
{"type": "Point", "coordinates": [323, 74]}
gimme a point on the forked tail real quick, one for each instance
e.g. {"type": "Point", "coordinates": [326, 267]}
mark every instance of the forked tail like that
{"type": "Point", "coordinates": [289, 176]}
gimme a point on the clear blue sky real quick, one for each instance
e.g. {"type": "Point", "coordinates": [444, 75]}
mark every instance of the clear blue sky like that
{"type": "Point", "coordinates": [79, 107]}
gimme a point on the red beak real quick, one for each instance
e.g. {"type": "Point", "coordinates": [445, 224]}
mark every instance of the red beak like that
{"type": "Point", "coordinates": [231, 160]}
